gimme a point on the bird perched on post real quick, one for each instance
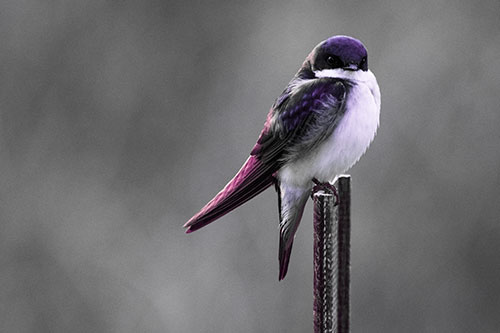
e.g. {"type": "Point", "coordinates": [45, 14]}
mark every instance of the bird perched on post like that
{"type": "Point", "coordinates": [320, 125]}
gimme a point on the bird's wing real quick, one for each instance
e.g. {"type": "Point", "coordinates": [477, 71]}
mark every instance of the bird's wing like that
{"type": "Point", "coordinates": [293, 112]}
{"type": "Point", "coordinates": [304, 115]}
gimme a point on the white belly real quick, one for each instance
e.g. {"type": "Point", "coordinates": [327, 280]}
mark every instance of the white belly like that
{"type": "Point", "coordinates": [347, 143]}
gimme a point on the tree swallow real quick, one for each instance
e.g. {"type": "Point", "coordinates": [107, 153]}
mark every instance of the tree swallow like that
{"type": "Point", "coordinates": [320, 125]}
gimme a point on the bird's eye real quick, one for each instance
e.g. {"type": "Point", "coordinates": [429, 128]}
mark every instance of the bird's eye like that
{"type": "Point", "coordinates": [333, 61]}
{"type": "Point", "coordinates": [362, 65]}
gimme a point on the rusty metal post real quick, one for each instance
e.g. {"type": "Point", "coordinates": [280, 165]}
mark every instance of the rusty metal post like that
{"type": "Point", "coordinates": [332, 232]}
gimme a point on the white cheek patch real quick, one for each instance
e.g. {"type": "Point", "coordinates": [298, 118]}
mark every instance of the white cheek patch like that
{"type": "Point", "coordinates": [335, 73]}
{"type": "Point", "coordinates": [339, 73]}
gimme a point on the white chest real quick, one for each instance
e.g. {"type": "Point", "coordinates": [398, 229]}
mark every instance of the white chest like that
{"type": "Point", "coordinates": [347, 143]}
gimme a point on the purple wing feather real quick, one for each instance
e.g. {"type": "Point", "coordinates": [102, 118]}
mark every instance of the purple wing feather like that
{"type": "Point", "coordinates": [255, 175]}
{"type": "Point", "coordinates": [253, 178]}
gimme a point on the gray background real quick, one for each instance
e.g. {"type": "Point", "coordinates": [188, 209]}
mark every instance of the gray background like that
{"type": "Point", "coordinates": [120, 119]}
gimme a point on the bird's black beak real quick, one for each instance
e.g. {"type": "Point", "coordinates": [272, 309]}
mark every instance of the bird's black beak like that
{"type": "Point", "coordinates": [351, 67]}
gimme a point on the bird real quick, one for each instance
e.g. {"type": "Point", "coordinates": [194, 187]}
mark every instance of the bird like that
{"type": "Point", "coordinates": [318, 127]}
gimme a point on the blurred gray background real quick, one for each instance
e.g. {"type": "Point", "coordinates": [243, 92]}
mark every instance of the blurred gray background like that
{"type": "Point", "coordinates": [120, 119]}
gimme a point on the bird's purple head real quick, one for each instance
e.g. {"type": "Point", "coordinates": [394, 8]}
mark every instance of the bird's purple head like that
{"type": "Point", "coordinates": [340, 52]}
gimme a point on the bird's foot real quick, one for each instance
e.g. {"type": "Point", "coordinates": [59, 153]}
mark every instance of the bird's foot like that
{"type": "Point", "coordinates": [327, 187]}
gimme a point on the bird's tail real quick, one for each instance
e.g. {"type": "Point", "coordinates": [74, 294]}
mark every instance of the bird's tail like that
{"type": "Point", "coordinates": [253, 178]}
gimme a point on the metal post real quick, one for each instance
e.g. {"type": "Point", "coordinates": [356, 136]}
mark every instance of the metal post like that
{"type": "Point", "coordinates": [332, 231]}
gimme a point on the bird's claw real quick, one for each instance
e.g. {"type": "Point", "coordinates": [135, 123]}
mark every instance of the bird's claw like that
{"type": "Point", "coordinates": [327, 187]}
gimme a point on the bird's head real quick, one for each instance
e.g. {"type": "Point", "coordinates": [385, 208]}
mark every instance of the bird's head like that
{"type": "Point", "coordinates": [340, 52]}
{"type": "Point", "coordinates": [337, 52]}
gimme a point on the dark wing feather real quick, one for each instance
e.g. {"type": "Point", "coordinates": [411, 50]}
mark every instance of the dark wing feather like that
{"type": "Point", "coordinates": [253, 178]}
{"type": "Point", "coordinates": [301, 118]}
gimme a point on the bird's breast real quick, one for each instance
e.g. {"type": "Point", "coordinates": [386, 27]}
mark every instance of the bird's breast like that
{"type": "Point", "coordinates": [347, 143]}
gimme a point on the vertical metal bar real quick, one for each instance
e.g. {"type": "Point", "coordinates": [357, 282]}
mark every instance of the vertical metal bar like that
{"type": "Point", "coordinates": [325, 264]}
{"type": "Point", "coordinates": [331, 259]}
{"type": "Point", "coordinates": [343, 216]}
